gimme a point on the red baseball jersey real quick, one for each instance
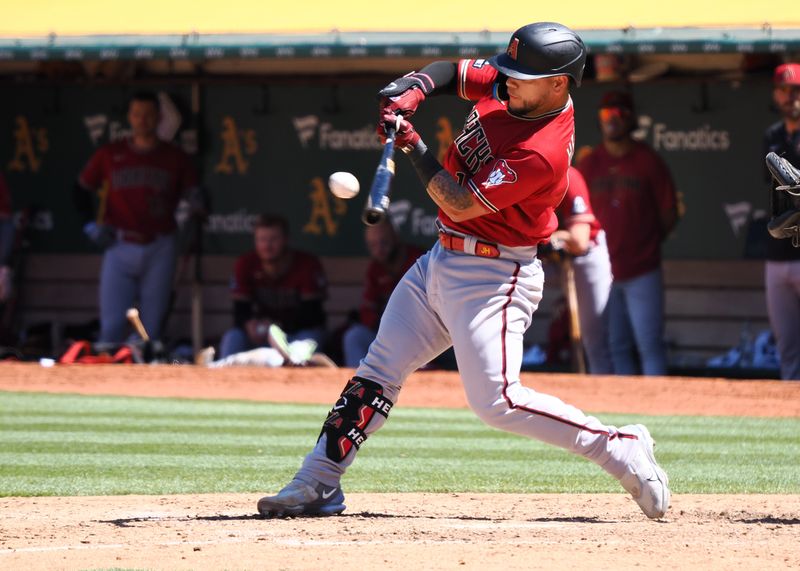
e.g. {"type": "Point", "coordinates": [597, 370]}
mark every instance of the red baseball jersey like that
{"type": "Point", "coordinates": [279, 298]}
{"type": "Point", "coordinates": [515, 166]}
{"type": "Point", "coordinates": [144, 188]}
{"type": "Point", "coordinates": [380, 283]}
{"type": "Point", "coordinates": [576, 206]}
{"type": "Point", "coordinates": [628, 194]}
{"type": "Point", "coordinates": [5, 198]}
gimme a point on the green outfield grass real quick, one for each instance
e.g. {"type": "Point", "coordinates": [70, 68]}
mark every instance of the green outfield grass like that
{"type": "Point", "coordinates": [84, 445]}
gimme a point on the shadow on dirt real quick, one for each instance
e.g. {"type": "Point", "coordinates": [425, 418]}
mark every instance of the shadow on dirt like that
{"type": "Point", "coordinates": [769, 520]}
{"type": "Point", "coordinates": [132, 521]}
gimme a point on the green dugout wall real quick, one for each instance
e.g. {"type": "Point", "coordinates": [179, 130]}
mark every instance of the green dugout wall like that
{"type": "Point", "coordinates": [271, 146]}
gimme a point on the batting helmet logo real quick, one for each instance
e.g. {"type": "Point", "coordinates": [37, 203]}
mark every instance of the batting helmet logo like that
{"type": "Point", "coordinates": [512, 48]}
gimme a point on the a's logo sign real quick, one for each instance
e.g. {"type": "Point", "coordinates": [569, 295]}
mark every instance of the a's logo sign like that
{"type": "Point", "coordinates": [326, 210]}
{"type": "Point", "coordinates": [512, 48]}
{"type": "Point", "coordinates": [501, 174]}
{"type": "Point", "coordinates": [29, 145]}
{"type": "Point", "coordinates": [235, 144]}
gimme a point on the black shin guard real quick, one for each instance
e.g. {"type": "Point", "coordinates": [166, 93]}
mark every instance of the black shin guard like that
{"type": "Point", "coordinates": [348, 419]}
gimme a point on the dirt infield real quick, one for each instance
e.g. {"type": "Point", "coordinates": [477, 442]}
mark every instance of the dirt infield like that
{"type": "Point", "coordinates": [662, 396]}
{"type": "Point", "coordinates": [404, 531]}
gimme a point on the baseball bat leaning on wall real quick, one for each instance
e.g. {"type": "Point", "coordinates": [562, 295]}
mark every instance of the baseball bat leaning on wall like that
{"type": "Point", "coordinates": [136, 321]}
{"type": "Point", "coordinates": [378, 199]}
{"type": "Point", "coordinates": [197, 238]}
{"type": "Point", "coordinates": [575, 337]}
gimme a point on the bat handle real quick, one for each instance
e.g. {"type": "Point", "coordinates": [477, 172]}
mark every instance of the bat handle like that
{"type": "Point", "coordinates": [378, 200]}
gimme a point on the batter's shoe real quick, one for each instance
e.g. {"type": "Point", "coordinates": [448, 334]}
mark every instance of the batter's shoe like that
{"type": "Point", "coordinates": [301, 499]}
{"type": "Point", "coordinates": [646, 481]}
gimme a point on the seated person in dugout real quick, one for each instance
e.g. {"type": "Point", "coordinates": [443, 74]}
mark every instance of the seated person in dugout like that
{"type": "Point", "coordinates": [277, 294]}
{"type": "Point", "coordinates": [389, 260]}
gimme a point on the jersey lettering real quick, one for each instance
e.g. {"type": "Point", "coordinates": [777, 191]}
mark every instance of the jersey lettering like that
{"type": "Point", "coordinates": [472, 144]}
{"type": "Point", "coordinates": [571, 147]}
{"type": "Point", "coordinates": [139, 176]}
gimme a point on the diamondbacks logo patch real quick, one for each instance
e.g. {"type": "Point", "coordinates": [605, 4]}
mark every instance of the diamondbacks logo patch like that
{"type": "Point", "coordinates": [501, 174]}
{"type": "Point", "coordinates": [512, 48]}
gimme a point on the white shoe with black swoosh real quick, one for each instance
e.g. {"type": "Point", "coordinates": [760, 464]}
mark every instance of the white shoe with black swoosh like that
{"type": "Point", "coordinates": [301, 499]}
{"type": "Point", "coordinates": [645, 480]}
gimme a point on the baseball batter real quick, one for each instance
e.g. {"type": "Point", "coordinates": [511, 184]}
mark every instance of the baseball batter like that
{"type": "Point", "coordinates": [582, 237]}
{"type": "Point", "coordinates": [143, 180]}
{"type": "Point", "coordinates": [478, 287]}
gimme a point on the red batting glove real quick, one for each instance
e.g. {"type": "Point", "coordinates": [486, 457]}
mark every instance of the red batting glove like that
{"type": "Point", "coordinates": [404, 94]}
{"type": "Point", "coordinates": [406, 137]}
{"type": "Point", "coordinates": [404, 104]}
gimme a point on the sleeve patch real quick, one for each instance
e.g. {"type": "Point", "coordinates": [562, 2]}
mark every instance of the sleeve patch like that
{"type": "Point", "coordinates": [501, 174]}
{"type": "Point", "coordinates": [579, 205]}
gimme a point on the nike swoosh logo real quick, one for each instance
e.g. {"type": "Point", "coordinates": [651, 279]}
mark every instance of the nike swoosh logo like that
{"type": "Point", "coordinates": [328, 494]}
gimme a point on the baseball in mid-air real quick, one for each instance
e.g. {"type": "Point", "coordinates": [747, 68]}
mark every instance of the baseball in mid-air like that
{"type": "Point", "coordinates": [343, 185]}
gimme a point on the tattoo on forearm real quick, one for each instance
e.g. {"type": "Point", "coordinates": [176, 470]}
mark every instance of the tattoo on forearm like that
{"type": "Point", "coordinates": [445, 190]}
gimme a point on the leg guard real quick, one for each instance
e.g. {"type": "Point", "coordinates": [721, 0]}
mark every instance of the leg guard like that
{"type": "Point", "coordinates": [347, 421]}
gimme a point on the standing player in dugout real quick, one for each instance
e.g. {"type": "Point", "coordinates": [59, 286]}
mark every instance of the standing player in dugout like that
{"type": "Point", "coordinates": [478, 287]}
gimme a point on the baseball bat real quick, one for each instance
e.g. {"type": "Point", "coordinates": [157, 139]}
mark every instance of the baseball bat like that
{"type": "Point", "coordinates": [378, 199]}
{"type": "Point", "coordinates": [133, 316]}
{"type": "Point", "coordinates": [197, 275]}
{"type": "Point", "coordinates": [575, 338]}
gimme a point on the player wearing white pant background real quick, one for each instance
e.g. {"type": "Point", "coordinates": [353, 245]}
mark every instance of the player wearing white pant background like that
{"type": "Point", "coordinates": [583, 238]}
{"type": "Point", "coordinates": [478, 287]}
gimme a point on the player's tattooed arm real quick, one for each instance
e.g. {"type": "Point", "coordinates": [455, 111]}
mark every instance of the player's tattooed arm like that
{"type": "Point", "coordinates": [448, 194]}
{"type": "Point", "coordinates": [456, 201]}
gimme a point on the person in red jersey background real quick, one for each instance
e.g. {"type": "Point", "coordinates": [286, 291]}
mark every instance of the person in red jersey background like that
{"type": "Point", "coordinates": [277, 295]}
{"type": "Point", "coordinates": [141, 180]}
{"type": "Point", "coordinates": [633, 196]}
{"type": "Point", "coordinates": [390, 258]}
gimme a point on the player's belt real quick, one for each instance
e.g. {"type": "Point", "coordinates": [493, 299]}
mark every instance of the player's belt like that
{"type": "Point", "coordinates": [459, 244]}
{"type": "Point", "coordinates": [136, 237]}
